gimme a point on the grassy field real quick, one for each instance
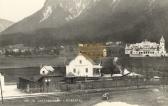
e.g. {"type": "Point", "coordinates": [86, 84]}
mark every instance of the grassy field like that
{"type": "Point", "coordinates": [147, 66]}
{"type": "Point", "coordinates": [14, 67]}
{"type": "Point", "coordinates": [20, 62]}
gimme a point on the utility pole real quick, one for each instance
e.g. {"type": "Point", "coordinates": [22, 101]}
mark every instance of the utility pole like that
{"type": "Point", "coordinates": [1, 92]}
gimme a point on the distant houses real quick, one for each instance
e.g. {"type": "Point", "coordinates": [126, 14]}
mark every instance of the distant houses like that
{"type": "Point", "coordinates": [83, 66]}
{"type": "Point", "coordinates": [23, 50]}
{"type": "Point", "coordinates": [93, 50]}
{"type": "Point", "coordinates": [16, 50]}
{"type": "Point", "coordinates": [146, 49]}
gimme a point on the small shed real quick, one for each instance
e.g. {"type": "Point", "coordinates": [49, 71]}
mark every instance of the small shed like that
{"type": "Point", "coordinates": [45, 70]}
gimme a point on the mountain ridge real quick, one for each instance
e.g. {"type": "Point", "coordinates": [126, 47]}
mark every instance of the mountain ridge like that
{"type": "Point", "coordinates": [5, 24]}
{"type": "Point", "coordinates": [97, 20]}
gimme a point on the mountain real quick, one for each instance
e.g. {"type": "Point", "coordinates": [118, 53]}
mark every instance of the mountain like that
{"type": "Point", "coordinates": [4, 24]}
{"type": "Point", "coordinates": [70, 21]}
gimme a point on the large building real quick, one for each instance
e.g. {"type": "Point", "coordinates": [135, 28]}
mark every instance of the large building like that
{"type": "Point", "coordinates": [146, 48]}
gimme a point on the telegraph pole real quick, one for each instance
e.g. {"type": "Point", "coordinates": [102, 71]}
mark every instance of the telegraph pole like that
{"type": "Point", "coordinates": [1, 92]}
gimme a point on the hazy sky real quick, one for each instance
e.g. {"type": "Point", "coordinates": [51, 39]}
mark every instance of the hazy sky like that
{"type": "Point", "coordinates": [16, 10]}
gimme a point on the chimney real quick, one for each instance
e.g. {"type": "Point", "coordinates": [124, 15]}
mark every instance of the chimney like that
{"type": "Point", "coordinates": [41, 66]}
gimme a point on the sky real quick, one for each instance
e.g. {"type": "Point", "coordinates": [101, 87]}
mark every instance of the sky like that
{"type": "Point", "coordinates": [16, 10]}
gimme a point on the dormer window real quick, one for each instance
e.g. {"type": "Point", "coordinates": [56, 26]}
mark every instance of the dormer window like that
{"type": "Point", "coordinates": [86, 70]}
{"type": "Point", "coordinates": [80, 61]}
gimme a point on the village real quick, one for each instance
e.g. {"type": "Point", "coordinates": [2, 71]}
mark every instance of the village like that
{"type": "Point", "coordinates": [143, 49]}
{"type": "Point", "coordinates": [83, 53]}
{"type": "Point", "coordinates": [94, 67]}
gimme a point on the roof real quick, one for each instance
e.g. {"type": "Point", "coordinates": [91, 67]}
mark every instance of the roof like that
{"type": "Point", "coordinates": [134, 74]}
{"type": "Point", "coordinates": [48, 68]}
{"type": "Point", "coordinates": [94, 62]}
{"type": "Point", "coordinates": [162, 39]}
{"type": "Point", "coordinates": [33, 78]}
{"type": "Point", "coordinates": [117, 75]}
{"type": "Point", "coordinates": [1, 74]}
{"type": "Point", "coordinates": [88, 58]}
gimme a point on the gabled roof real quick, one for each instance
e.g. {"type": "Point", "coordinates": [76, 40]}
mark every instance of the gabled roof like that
{"type": "Point", "coordinates": [88, 58]}
{"type": "Point", "coordinates": [1, 75]}
{"type": "Point", "coordinates": [48, 68]}
{"type": "Point", "coordinates": [94, 62]}
{"type": "Point", "coordinates": [162, 39]}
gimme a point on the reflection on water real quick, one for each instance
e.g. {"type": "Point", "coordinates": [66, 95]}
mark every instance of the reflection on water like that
{"type": "Point", "coordinates": [113, 104]}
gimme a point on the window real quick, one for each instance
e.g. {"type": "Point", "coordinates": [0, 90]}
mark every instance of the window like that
{"type": "Point", "coordinates": [74, 70]}
{"type": "Point", "coordinates": [86, 70]}
{"type": "Point", "coordinates": [78, 72]}
{"type": "Point", "coordinates": [80, 61]}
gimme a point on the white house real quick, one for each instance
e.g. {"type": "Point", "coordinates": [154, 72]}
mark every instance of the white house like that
{"type": "Point", "coordinates": [83, 66]}
{"type": "Point", "coordinates": [45, 70]}
{"type": "Point", "coordinates": [146, 48]}
{"type": "Point", "coordinates": [2, 81]}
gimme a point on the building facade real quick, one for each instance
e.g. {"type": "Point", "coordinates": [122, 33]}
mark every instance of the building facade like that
{"type": "Point", "coordinates": [146, 48]}
{"type": "Point", "coordinates": [83, 66]}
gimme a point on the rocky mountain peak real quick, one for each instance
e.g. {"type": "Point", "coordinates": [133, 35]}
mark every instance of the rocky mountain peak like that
{"type": "Point", "coordinates": [73, 7]}
{"type": "Point", "coordinates": [91, 20]}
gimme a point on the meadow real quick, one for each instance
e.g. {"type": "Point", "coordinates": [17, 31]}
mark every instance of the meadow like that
{"type": "Point", "coordinates": [148, 66]}
{"type": "Point", "coordinates": [20, 62]}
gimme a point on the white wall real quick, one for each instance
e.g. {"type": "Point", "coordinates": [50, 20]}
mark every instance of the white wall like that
{"type": "Point", "coordinates": [80, 67]}
{"type": "Point", "coordinates": [43, 71]}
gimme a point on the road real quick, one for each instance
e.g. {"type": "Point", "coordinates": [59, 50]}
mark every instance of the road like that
{"type": "Point", "coordinates": [156, 96]}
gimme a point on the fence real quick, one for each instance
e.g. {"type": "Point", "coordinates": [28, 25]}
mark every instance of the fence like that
{"type": "Point", "coordinates": [98, 84]}
{"type": "Point", "coordinates": [112, 83]}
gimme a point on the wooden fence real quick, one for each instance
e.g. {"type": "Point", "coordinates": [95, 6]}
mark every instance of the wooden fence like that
{"type": "Point", "coordinates": [112, 83]}
{"type": "Point", "coordinates": [98, 84]}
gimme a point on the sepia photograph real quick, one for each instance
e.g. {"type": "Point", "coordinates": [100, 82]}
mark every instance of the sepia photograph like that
{"type": "Point", "coordinates": [83, 52]}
